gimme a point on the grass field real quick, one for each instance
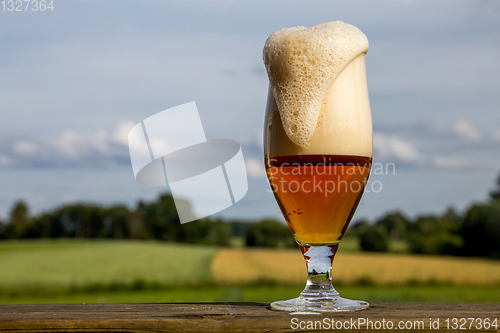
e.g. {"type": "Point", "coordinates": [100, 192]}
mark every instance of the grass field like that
{"type": "Point", "coordinates": [62, 265]}
{"type": "Point", "coordinates": [268, 293]}
{"type": "Point", "coordinates": [76, 271]}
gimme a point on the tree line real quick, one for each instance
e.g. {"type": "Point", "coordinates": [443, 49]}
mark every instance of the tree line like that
{"type": "Point", "coordinates": [153, 220]}
{"type": "Point", "coordinates": [476, 232]}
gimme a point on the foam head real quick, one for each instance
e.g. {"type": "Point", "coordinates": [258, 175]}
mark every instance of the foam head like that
{"type": "Point", "coordinates": [302, 63]}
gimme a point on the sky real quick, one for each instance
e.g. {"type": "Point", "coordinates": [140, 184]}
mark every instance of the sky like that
{"type": "Point", "coordinates": [73, 82]}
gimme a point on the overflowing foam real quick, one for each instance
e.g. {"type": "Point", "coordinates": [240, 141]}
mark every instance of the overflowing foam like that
{"type": "Point", "coordinates": [344, 124]}
{"type": "Point", "coordinates": [302, 65]}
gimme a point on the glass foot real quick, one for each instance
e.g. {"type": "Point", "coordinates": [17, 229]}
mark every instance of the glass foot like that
{"type": "Point", "coordinates": [335, 304]}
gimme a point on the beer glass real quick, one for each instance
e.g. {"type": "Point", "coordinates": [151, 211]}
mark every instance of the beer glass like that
{"type": "Point", "coordinates": [318, 187]}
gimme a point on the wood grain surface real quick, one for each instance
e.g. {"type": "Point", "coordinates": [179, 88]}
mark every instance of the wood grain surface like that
{"type": "Point", "coordinates": [229, 317]}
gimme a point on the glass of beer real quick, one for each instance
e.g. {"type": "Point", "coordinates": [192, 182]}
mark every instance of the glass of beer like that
{"type": "Point", "coordinates": [318, 146]}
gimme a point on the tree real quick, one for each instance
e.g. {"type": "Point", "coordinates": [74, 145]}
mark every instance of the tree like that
{"type": "Point", "coordinates": [135, 225]}
{"type": "Point", "coordinates": [436, 235]}
{"type": "Point", "coordinates": [116, 222]}
{"type": "Point", "coordinates": [395, 223]}
{"type": "Point", "coordinates": [270, 233]}
{"type": "Point", "coordinates": [374, 239]}
{"type": "Point", "coordinates": [495, 194]}
{"type": "Point", "coordinates": [76, 220]}
{"type": "Point", "coordinates": [356, 228]}
{"type": "Point", "coordinates": [45, 225]}
{"type": "Point", "coordinates": [3, 228]}
{"type": "Point", "coordinates": [86, 221]}
{"type": "Point", "coordinates": [161, 219]}
{"type": "Point", "coordinates": [481, 230]}
{"type": "Point", "coordinates": [18, 220]}
{"type": "Point", "coordinates": [205, 232]}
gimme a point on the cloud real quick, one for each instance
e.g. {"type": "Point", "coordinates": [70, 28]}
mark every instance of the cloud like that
{"type": "Point", "coordinates": [465, 130]}
{"type": "Point", "coordinates": [394, 147]}
{"type": "Point", "coordinates": [438, 145]}
{"type": "Point", "coordinates": [71, 148]}
{"type": "Point", "coordinates": [255, 169]}
{"type": "Point", "coordinates": [25, 147]}
{"type": "Point", "coordinates": [97, 149]}
{"type": "Point", "coordinates": [121, 133]}
{"type": "Point", "coordinates": [5, 160]}
{"type": "Point", "coordinates": [496, 134]}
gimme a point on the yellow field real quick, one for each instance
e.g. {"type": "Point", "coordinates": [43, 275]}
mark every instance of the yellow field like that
{"type": "Point", "coordinates": [248, 265]}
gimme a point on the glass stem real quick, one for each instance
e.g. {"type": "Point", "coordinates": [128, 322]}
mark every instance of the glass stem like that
{"type": "Point", "coordinates": [319, 261]}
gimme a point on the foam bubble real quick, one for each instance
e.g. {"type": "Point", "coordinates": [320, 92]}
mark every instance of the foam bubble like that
{"type": "Point", "coordinates": [302, 63]}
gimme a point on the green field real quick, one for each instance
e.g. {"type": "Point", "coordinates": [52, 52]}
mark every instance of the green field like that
{"type": "Point", "coordinates": [267, 293]}
{"type": "Point", "coordinates": [55, 266]}
{"type": "Point", "coordinates": [83, 271]}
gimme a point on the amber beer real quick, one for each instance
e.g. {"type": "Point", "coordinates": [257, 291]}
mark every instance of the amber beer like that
{"type": "Point", "coordinates": [318, 194]}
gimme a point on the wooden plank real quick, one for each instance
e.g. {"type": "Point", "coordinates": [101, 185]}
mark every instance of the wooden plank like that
{"type": "Point", "coordinates": [232, 317]}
